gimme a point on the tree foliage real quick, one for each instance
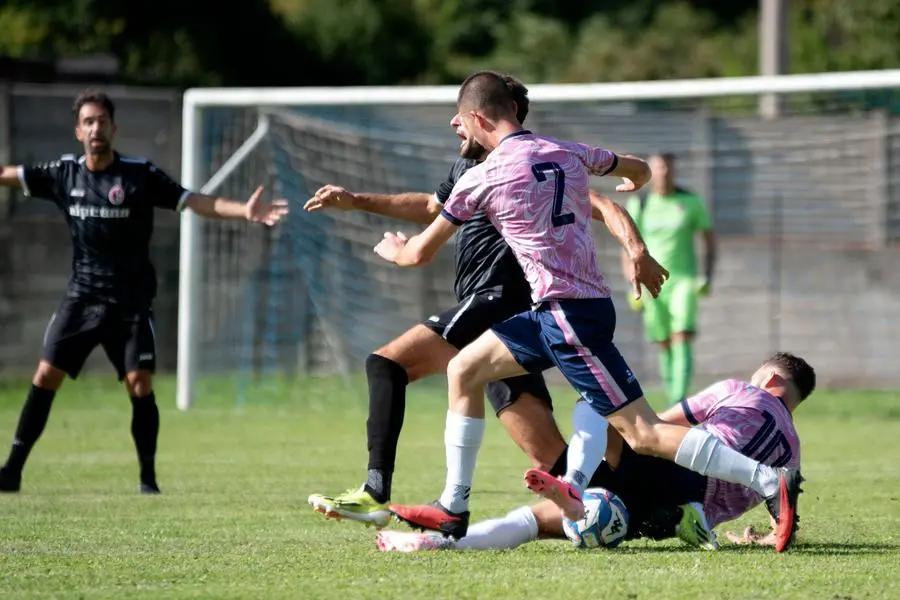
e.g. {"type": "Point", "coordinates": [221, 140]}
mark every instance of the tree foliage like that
{"type": "Point", "coordinates": [315, 42]}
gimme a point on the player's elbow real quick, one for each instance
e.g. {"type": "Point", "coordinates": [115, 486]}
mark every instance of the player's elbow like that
{"type": "Point", "coordinates": [634, 168]}
{"type": "Point", "coordinates": [433, 209]}
{"type": "Point", "coordinates": [642, 171]}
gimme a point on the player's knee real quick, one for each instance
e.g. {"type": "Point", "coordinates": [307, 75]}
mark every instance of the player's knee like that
{"type": "Point", "coordinates": [643, 438]}
{"type": "Point", "coordinates": [419, 351]}
{"type": "Point", "coordinates": [463, 370]}
{"type": "Point", "coordinates": [139, 384]}
{"type": "Point", "coordinates": [48, 377]}
{"type": "Point", "coordinates": [381, 367]}
{"type": "Point", "coordinates": [682, 336]}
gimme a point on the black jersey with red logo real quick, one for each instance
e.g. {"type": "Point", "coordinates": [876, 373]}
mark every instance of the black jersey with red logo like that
{"type": "Point", "coordinates": [110, 218]}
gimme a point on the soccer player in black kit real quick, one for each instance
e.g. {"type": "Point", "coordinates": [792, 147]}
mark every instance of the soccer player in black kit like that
{"type": "Point", "coordinates": [108, 201]}
{"type": "Point", "coordinates": [490, 287]}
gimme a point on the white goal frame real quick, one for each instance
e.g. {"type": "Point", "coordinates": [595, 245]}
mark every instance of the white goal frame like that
{"type": "Point", "coordinates": [193, 177]}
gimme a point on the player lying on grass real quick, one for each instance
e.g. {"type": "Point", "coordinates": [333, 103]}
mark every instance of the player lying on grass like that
{"type": "Point", "coordinates": [535, 191]}
{"type": "Point", "coordinates": [490, 287]}
{"type": "Point", "coordinates": [664, 499]}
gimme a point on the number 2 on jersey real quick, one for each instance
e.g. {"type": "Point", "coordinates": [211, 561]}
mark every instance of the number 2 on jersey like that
{"type": "Point", "coordinates": [541, 170]}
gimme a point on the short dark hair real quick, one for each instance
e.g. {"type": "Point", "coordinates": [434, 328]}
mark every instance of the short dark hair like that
{"type": "Point", "coordinates": [668, 157]}
{"type": "Point", "coordinates": [488, 92]}
{"type": "Point", "coordinates": [796, 370]}
{"type": "Point", "coordinates": [94, 97]}
{"type": "Point", "coordinates": [519, 95]}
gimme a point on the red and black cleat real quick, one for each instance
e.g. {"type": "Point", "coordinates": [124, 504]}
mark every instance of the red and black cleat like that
{"type": "Point", "coordinates": [433, 517]}
{"type": "Point", "coordinates": [783, 507]}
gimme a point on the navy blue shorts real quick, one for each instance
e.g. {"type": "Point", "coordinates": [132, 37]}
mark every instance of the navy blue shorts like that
{"type": "Point", "coordinates": [576, 336]}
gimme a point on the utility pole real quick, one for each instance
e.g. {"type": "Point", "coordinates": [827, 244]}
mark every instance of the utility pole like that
{"type": "Point", "coordinates": [773, 50]}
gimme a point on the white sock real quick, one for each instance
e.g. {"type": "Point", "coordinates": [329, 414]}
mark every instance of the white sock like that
{"type": "Point", "coordinates": [700, 451]}
{"type": "Point", "coordinates": [587, 445]}
{"type": "Point", "coordinates": [505, 533]}
{"type": "Point", "coordinates": [462, 439]}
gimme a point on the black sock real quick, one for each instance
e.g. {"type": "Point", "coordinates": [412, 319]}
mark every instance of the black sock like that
{"type": "Point", "coordinates": [387, 405]}
{"type": "Point", "coordinates": [32, 420]}
{"type": "Point", "coordinates": [145, 430]}
{"type": "Point", "coordinates": [561, 464]}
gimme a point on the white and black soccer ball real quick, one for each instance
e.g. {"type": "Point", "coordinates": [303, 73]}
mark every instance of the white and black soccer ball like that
{"type": "Point", "coordinates": [605, 521]}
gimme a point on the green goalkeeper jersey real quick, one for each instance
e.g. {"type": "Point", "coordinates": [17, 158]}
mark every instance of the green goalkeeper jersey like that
{"type": "Point", "coordinates": [668, 225]}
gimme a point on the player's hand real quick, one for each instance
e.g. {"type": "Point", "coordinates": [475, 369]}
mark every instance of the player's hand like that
{"type": "Point", "coordinates": [331, 196]}
{"type": "Point", "coordinates": [391, 245]}
{"type": "Point", "coordinates": [261, 211]}
{"type": "Point", "coordinates": [704, 287]}
{"type": "Point", "coordinates": [628, 185]}
{"type": "Point", "coordinates": [752, 537]}
{"type": "Point", "coordinates": [635, 304]}
{"type": "Point", "coordinates": [647, 272]}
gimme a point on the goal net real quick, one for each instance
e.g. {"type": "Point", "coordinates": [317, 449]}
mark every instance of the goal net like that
{"type": "Point", "coordinates": [804, 201]}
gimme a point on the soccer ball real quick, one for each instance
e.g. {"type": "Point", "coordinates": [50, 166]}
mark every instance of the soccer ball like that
{"type": "Point", "coordinates": [605, 522]}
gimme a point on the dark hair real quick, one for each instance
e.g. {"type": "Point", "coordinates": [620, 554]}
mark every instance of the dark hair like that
{"type": "Point", "coordinates": [94, 97]}
{"type": "Point", "coordinates": [668, 157]}
{"type": "Point", "coordinates": [796, 370]}
{"type": "Point", "coordinates": [488, 92]}
{"type": "Point", "coordinates": [519, 95]}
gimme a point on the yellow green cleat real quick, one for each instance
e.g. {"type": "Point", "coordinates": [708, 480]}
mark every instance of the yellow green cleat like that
{"type": "Point", "coordinates": [354, 505]}
{"type": "Point", "coordinates": [694, 529]}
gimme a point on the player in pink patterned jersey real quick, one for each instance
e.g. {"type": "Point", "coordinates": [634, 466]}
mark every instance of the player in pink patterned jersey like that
{"type": "Point", "coordinates": [531, 189]}
{"type": "Point", "coordinates": [535, 191]}
{"type": "Point", "coordinates": [752, 421]}
{"type": "Point", "coordinates": [663, 499]}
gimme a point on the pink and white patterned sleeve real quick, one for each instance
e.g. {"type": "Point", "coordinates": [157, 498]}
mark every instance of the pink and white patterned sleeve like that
{"type": "Point", "coordinates": [698, 407]}
{"type": "Point", "coordinates": [467, 197]}
{"type": "Point", "coordinates": [598, 161]}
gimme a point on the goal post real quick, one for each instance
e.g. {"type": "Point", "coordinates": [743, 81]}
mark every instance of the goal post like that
{"type": "Point", "coordinates": [397, 139]}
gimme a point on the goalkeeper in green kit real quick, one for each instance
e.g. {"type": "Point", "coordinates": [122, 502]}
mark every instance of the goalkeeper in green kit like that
{"type": "Point", "coordinates": [669, 218]}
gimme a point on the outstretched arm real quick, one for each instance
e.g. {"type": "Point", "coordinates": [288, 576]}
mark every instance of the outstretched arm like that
{"type": "Point", "coordinates": [619, 223]}
{"type": "Point", "coordinates": [418, 250]}
{"type": "Point", "coordinates": [638, 266]}
{"type": "Point", "coordinates": [464, 201]}
{"type": "Point", "coordinates": [417, 207]}
{"type": "Point", "coordinates": [166, 193]}
{"type": "Point", "coordinates": [255, 209]}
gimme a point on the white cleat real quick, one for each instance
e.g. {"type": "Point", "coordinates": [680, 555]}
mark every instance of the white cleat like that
{"type": "Point", "coordinates": [404, 541]}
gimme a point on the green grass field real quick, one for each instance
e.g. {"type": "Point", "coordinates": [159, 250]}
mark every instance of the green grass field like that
{"type": "Point", "coordinates": [233, 521]}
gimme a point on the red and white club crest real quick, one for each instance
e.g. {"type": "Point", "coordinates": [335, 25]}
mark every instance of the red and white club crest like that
{"type": "Point", "coordinates": [116, 195]}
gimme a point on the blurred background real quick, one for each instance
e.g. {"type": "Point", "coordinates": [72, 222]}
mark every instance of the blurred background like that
{"type": "Point", "coordinates": [802, 188]}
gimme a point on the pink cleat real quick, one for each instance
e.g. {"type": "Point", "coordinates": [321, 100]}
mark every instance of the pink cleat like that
{"type": "Point", "coordinates": [404, 541]}
{"type": "Point", "coordinates": [560, 492]}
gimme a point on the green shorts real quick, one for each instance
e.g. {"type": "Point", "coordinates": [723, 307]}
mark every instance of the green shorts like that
{"type": "Point", "coordinates": [675, 311]}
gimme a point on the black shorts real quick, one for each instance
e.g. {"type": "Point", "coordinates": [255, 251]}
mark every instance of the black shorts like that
{"type": "Point", "coordinates": [465, 322]}
{"type": "Point", "coordinates": [78, 326]}
{"type": "Point", "coordinates": [652, 489]}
